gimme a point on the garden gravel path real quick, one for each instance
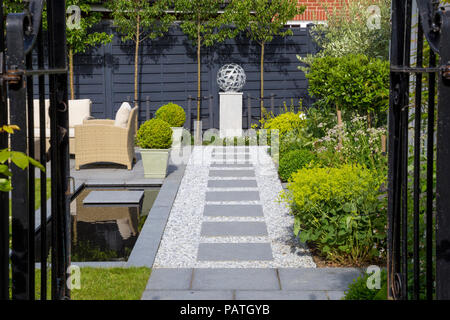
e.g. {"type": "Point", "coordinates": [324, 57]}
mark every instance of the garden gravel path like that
{"type": "Point", "coordinates": [227, 214]}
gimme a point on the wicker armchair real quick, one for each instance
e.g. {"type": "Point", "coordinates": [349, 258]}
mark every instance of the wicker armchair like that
{"type": "Point", "coordinates": [102, 141]}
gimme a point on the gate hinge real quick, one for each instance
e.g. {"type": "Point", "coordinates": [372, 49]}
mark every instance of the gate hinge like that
{"type": "Point", "coordinates": [11, 76]}
{"type": "Point", "coordinates": [446, 71]}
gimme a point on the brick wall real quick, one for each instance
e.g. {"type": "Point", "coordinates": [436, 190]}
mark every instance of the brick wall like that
{"type": "Point", "coordinates": [315, 10]}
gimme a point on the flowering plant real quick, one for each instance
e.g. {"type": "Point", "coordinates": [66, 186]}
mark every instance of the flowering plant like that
{"type": "Point", "coordinates": [353, 142]}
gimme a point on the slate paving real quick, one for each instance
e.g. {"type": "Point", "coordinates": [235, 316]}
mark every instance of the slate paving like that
{"type": "Point", "coordinates": [229, 238]}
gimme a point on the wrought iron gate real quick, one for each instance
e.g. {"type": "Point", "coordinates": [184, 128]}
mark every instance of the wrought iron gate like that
{"type": "Point", "coordinates": [25, 38]}
{"type": "Point", "coordinates": [419, 201]}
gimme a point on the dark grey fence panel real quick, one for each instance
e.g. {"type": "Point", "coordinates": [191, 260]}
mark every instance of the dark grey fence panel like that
{"type": "Point", "coordinates": [168, 73]}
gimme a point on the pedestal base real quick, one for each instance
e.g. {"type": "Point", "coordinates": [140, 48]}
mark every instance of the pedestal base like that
{"type": "Point", "coordinates": [230, 114]}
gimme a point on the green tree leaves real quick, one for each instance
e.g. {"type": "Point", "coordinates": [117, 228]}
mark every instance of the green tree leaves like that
{"type": "Point", "coordinates": [263, 19]}
{"type": "Point", "coordinates": [19, 159]}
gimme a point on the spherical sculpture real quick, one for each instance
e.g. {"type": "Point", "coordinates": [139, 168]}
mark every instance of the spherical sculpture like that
{"type": "Point", "coordinates": [231, 78]}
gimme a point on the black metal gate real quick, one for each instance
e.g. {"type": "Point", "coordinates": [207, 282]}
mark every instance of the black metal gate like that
{"type": "Point", "coordinates": [419, 180]}
{"type": "Point", "coordinates": [25, 38]}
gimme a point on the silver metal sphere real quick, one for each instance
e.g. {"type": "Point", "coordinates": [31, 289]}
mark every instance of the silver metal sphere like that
{"type": "Point", "coordinates": [231, 78]}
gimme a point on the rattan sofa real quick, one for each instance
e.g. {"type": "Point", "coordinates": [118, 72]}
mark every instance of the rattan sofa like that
{"type": "Point", "coordinates": [102, 141]}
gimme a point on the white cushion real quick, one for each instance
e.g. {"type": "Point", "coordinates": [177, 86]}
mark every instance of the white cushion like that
{"type": "Point", "coordinates": [122, 115]}
{"type": "Point", "coordinates": [79, 110]}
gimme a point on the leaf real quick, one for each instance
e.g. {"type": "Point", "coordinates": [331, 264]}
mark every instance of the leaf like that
{"type": "Point", "coordinates": [5, 185]}
{"type": "Point", "coordinates": [19, 159]}
{"type": "Point", "coordinates": [36, 164]}
{"type": "Point", "coordinates": [5, 170]}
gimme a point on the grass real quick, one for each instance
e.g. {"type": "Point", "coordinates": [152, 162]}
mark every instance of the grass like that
{"type": "Point", "coordinates": [37, 193]}
{"type": "Point", "coordinates": [107, 283]}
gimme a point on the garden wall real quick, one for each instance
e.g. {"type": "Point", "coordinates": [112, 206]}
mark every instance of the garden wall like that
{"type": "Point", "coordinates": [168, 72]}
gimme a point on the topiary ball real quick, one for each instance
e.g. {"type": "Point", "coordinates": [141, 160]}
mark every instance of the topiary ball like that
{"type": "Point", "coordinates": [154, 134]}
{"type": "Point", "coordinates": [293, 161]}
{"type": "Point", "coordinates": [171, 113]}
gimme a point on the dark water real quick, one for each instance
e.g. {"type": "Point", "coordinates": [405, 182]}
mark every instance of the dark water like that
{"type": "Point", "coordinates": [107, 233]}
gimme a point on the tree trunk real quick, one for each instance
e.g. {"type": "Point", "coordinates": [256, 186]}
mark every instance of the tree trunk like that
{"type": "Point", "coordinates": [199, 79]}
{"type": "Point", "coordinates": [72, 91]}
{"type": "Point", "coordinates": [136, 62]}
{"type": "Point", "coordinates": [262, 79]}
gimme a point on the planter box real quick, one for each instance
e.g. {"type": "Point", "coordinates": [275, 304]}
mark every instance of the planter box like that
{"type": "Point", "coordinates": [155, 162]}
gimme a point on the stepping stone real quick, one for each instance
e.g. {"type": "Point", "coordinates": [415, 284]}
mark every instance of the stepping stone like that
{"type": "Point", "coordinates": [234, 229]}
{"type": "Point", "coordinates": [233, 210]}
{"type": "Point", "coordinates": [231, 155]}
{"type": "Point", "coordinates": [281, 295]}
{"type": "Point", "coordinates": [232, 184]}
{"type": "Point", "coordinates": [170, 279]}
{"type": "Point", "coordinates": [234, 252]}
{"type": "Point", "coordinates": [333, 279]}
{"type": "Point", "coordinates": [236, 162]}
{"type": "Point", "coordinates": [231, 173]}
{"type": "Point", "coordinates": [231, 165]}
{"type": "Point", "coordinates": [121, 198]}
{"type": "Point", "coordinates": [232, 195]}
{"type": "Point", "coordinates": [235, 279]}
{"type": "Point", "coordinates": [187, 295]}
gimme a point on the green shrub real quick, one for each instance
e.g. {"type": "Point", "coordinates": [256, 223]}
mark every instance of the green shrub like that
{"type": "Point", "coordinates": [154, 134]}
{"type": "Point", "coordinates": [293, 161]}
{"type": "Point", "coordinates": [358, 290]}
{"type": "Point", "coordinates": [171, 113]}
{"type": "Point", "coordinates": [339, 211]}
{"type": "Point", "coordinates": [285, 122]}
{"type": "Point", "coordinates": [352, 83]}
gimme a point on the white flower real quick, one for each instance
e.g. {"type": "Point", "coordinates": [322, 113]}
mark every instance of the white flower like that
{"type": "Point", "coordinates": [302, 116]}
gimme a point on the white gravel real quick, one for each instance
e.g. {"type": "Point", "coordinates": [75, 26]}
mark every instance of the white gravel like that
{"type": "Point", "coordinates": [179, 245]}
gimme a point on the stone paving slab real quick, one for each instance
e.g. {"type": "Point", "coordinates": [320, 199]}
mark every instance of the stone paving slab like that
{"type": "Point", "coordinates": [281, 295]}
{"type": "Point", "coordinates": [234, 173]}
{"type": "Point", "coordinates": [231, 155]}
{"type": "Point", "coordinates": [232, 195]}
{"type": "Point", "coordinates": [170, 279]}
{"type": "Point", "coordinates": [233, 210]}
{"type": "Point", "coordinates": [235, 279]}
{"type": "Point", "coordinates": [231, 165]}
{"type": "Point", "coordinates": [333, 279]}
{"type": "Point", "coordinates": [122, 197]}
{"type": "Point", "coordinates": [234, 252]}
{"type": "Point", "coordinates": [232, 184]}
{"type": "Point", "coordinates": [234, 229]}
{"type": "Point", "coordinates": [187, 295]}
{"type": "Point", "coordinates": [237, 162]}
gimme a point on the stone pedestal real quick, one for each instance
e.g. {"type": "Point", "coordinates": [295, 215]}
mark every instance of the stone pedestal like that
{"type": "Point", "coordinates": [230, 114]}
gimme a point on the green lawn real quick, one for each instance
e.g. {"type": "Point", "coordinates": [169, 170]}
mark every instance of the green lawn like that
{"type": "Point", "coordinates": [38, 193]}
{"type": "Point", "coordinates": [107, 283]}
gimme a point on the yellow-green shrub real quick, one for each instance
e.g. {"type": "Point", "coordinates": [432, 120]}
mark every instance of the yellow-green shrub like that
{"type": "Point", "coordinates": [171, 113]}
{"type": "Point", "coordinates": [285, 122]}
{"type": "Point", "coordinates": [154, 134]}
{"type": "Point", "coordinates": [339, 211]}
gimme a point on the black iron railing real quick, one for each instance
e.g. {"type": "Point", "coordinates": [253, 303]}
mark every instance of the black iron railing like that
{"type": "Point", "coordinates": [25, 38]}
{"type": "Point", "coordinates": [419, 198]}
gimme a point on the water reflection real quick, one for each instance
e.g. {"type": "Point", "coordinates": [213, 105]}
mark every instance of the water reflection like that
{"type": "Point", "coordinates": [107, 233]}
